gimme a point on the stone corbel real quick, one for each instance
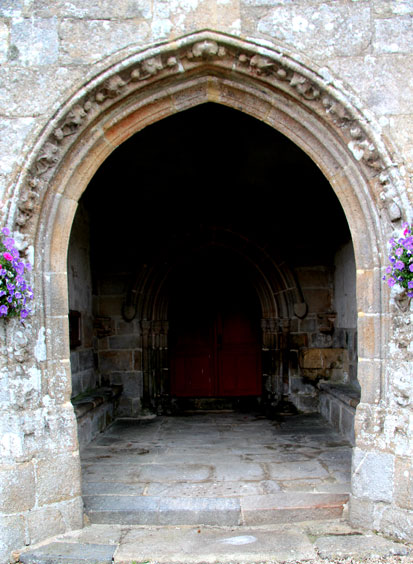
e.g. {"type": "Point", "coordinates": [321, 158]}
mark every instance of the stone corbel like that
{"type": "Point", "coordinates": [129, 307]}
{"type": "Point", "coordinates": [326, 322]}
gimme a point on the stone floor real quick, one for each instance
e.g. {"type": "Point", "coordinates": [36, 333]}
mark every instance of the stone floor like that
{"type": "Point", "coordinates": [216, 488]}
{"type": "Point", "coordinates": [216, 469]}
{"type": "Point", "coordinates": [316, 542]}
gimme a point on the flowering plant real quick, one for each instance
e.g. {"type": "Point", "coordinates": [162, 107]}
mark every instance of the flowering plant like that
{"type": "Point", "coordinates": [14, 290]}
{"type": "Point", "coordinates": [400, 271]}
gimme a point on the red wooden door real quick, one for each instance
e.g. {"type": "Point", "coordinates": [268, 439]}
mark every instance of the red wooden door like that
{"type": "Point", "coordinates": [192, 357]}
{"type": "Point", "coordinates": [238, 355]}
{"type": "Point", "coordinates": [215, 349]}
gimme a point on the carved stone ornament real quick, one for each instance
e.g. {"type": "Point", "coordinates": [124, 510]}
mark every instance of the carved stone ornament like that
{"type": "Point", "coordinates": [402, 301]}
{"type": "Point", "coordinates": [300, 310]}
{"type": "Point", "coordinates": [326, 322]}
{"type": "Point", "coordinates": [213, 50]}
{"type": "Point", "coordinates": [47, 158]}
{"type": "Point", "coordinates": [73, 121]}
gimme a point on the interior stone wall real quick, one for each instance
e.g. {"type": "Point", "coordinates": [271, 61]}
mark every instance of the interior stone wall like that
{"type": "Point", "coordinates": [118, 344]}
{"type": "Point", "coordinates": [345, 304]}
{"type": "Point", "coordinates": [361, 53]}
{"type": "Point", "coordinates": [84, 374]}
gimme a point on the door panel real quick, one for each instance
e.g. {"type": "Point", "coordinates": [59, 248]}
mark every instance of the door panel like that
{"type": "Point", "coordinates": [238, 351]}
{"type": "Point", "coordinates": [218, 356]}
{"type": "Point", "coordinates": [240, 375]}
{"type": "Point", "coordinates": [193, 374]}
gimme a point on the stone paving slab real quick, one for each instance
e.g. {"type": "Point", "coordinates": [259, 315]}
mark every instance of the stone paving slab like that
{"type": "Point", "coordinates": [175, 472]}
{"type": "Point", "coordinates": [209, 489]}
{"type": "Point", "coordinates": [186, 456]}
{"type": "Point", "coordinates": [196, 545]}
{"type": "Point", "coordinates": [275, 449]}
{"type": "Point", "coordinates": [135, 455]}
{"type": "Point", "coordinates": [270, 486]}
{"type": "Point", "coordinates": [358, 546]}
{"type": "Point", "coordinates": [95, 534]}
{"type": "Point", "coordinates": [339, 454]}
{"type": "Point", "coordinates": [326, 487]}
{"type": "Point", "coordinates": [276, 457]}
{"type": "Point", "coordinates": [112, 488]}
{"type": "Point", "coordinates": [70, 553]}
{"type": "Point", "coordinates": [247, 471]}
{"type": "Point", "coordinates": [110, 473]}
{"type": "Point", "coordinates": [304, 485]}
{"type": "Point", "coordinates": [342, 476]}
{"type": "Point", "coordinates": [296, 470]}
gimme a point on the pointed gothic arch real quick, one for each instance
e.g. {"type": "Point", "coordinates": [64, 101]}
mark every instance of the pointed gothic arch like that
{"type": "Point", "coordinates": [318, 116]}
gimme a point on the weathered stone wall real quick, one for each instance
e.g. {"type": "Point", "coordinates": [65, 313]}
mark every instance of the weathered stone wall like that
{"type": "Point", "coordinates": [345, 305]}
{"type": "Point", "coordinates": [340, 396]}
{"type": "Point", "coordinates": [49, 50]}
{"type": "Point", "coordinates": [322, 348]}
{"type": "Point", "coordinates": [120, 357]}
{"type": "Point", "coordinates": [84, 374]}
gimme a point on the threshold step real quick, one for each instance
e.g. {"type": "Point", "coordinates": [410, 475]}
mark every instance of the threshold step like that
{"type": "Point", "coordinates": [148, 510]}
{"type": "Point", "coordinates": [332, 540]}
{"type": "Point", "coordinates": [280, 507]}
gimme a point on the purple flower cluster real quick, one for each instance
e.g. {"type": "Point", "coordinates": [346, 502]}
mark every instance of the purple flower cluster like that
{"type": "Point", "coordinates": [400, 271]}
{"type": "Point", "coordinates": [15, 293]}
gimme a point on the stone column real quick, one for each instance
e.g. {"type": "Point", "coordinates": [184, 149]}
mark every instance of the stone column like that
{"type": "Point", "coordinates": [382, 470]}
{"type": "Point", "coordinates": [40, 483]}
{"type": "Point", "coordinates": [272, 361]}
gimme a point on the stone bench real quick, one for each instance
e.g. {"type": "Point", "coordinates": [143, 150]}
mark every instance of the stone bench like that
{"type": "Point", "coordinates": [338, 404]}
{"type": "Point", "coordinates": [95, 410]}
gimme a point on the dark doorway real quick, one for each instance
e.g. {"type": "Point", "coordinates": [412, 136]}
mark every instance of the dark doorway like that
{"type": "Point", "coordinates": [215, 348]}
{"type": "Point", "coordinates": [218, 259]}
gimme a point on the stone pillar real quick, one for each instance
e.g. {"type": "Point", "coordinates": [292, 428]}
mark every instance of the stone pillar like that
{"type": "Point", "coordinates": [40, 484]}
{"type": "Point", "coordinates": [272, 361]}
{"type": "Point", "coordinates": [146, 364]}
{"type": "Point", "coordinates": [382, 470]}
{"type": "Point", "coordinates": [159, 364]}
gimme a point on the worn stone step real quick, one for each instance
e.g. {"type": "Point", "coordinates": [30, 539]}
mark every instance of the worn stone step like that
{"type": "Point", "coordinates": [152, 510]}
{"type": "Point", "coordinates": [280, 507]}
{"type": "Point", "coordinates": [291, 507]}
{"type": "Point", "coordinates": [116, 544]}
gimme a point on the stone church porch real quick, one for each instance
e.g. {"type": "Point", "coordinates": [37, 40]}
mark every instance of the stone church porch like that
{"type": "Point", "coordinates": [133, 163]}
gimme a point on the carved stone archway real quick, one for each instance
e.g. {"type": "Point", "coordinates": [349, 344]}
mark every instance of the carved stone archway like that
{"type": "Point", "coordinates": [279, 295]}
{"type": "Point", "coordinates": [303, 104]}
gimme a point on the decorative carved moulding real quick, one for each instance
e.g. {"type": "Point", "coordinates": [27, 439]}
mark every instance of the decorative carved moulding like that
{"type": "Point", "coordinates": [402, 301]}
{"type": "Point", "coordinates": [205, 52]}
